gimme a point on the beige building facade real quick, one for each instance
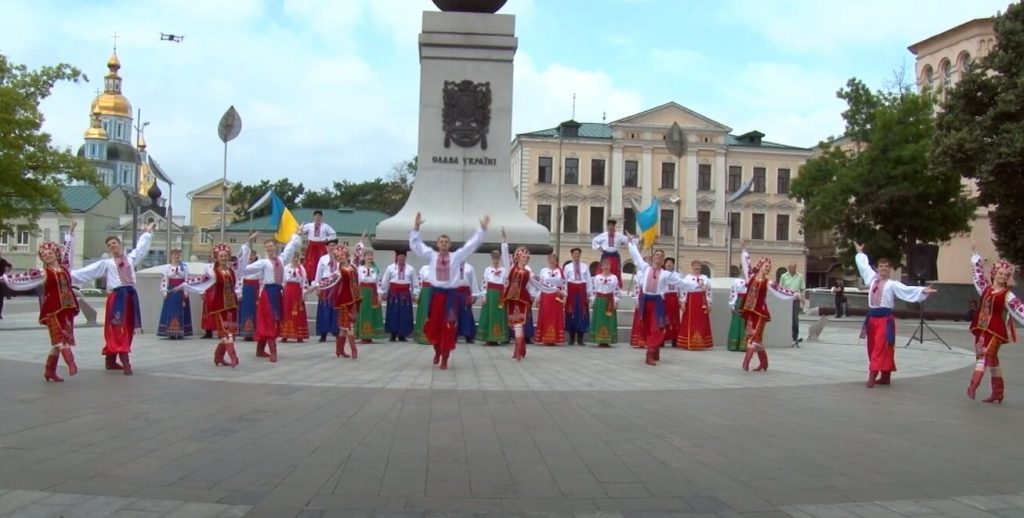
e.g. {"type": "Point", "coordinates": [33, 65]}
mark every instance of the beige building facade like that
{"type": "Point", "coordinates": [941, 60]}
{"type": "Point", "coordinates": [607, 170]}
{"type": "Point", "coordinates": [205, 216]}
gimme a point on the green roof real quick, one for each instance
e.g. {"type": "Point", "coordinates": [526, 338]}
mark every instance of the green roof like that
{"type": "Point", "coordinates": [602, 131]}
{"type": "Point", "coordinates": [81, 198]}
{"type": "Point", "coordinates": [346, 222]}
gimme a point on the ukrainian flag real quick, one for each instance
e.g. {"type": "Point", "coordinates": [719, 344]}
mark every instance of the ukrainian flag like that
{"type": "Point", "coordinates": [281, 218]}
{"type": "Point", "coordinates": [647, 219]}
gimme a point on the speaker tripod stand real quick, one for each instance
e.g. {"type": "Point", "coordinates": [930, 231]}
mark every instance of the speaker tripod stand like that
{"type": "Point", "coordinates": [921, 326]}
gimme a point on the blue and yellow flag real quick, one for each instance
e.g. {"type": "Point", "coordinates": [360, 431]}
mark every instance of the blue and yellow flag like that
{"type": "Point", "coordinates": [647, 220]}
{"type": "Point", "coordinates": [281, 218]}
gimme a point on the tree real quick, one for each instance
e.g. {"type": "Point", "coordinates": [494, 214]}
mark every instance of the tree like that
{"type": "Point", "coordinates": [884, 195]}
{"type": "Point", "coordinates": [243, 196]}
{"type": "Point", "coordinates": [32, 171]}
{"type": "Point", "coordinates": [980, 133]}
{"type": "Point", "coordinates": [386, 194]}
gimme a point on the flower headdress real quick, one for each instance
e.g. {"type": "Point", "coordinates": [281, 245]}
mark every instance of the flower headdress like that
{"type": "Point", "coordinates": [221, 247]}
{"type": "Point", "coordinates": [520, 253]}
{"type": "Point", "coordinates": [1002, 264]}
{"type": "Point", "coordinates": [51, 246]}
{"type": "Point", "coordinates": [761, 262]}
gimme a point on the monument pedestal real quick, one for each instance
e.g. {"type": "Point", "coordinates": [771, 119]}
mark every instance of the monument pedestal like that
{"type": "Point", "coordinates": [465, 135]}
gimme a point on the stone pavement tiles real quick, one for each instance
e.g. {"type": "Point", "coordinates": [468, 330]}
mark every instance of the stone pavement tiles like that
{"type": "Point", "coordinates": [341, 442]}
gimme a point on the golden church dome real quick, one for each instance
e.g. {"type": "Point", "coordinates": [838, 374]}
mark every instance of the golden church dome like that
{"type": "Point", "coordinates": [96, 130]}
{"type": "Point", "coordinates": [112, 104]}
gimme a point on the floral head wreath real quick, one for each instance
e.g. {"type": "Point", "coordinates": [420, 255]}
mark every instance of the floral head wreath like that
{"type": "Point", "coordinates": [761, 262]}
{"type": "Point", "coordinates": [221, 247]}
{"type": "Point", "coordinates": [520, 253]}
{"type": "Point", "coordinates": [343, 250]}
{"type": "Point", "coordinates": [1002, 264]}
{"type": "Point", "coordinates": [51, 246]}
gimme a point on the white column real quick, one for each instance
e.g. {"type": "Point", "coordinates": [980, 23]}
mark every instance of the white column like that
{"type": "Point", "coordinates": [691, 185]}
{"type": "Point", "coordinates": [616, 179]}
{"type": "Point", "coordinates": [720, 174]}
{"type": "Point", "coordinates": [646, 176]}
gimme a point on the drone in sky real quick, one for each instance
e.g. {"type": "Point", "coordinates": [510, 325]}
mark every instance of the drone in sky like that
{"type": "Point", "coordinates": [171, 37]}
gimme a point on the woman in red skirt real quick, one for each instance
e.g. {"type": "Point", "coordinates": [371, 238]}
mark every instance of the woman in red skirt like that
{"type": "Point", "coordinates": [295, 325]}
{"type": "Point", "coordinates": [58, 304]}
{"type": "Point", "coordinates": [347, 296]}
{"type": "Point", "coordinates": [695, 323]}
{"type": "Point", "coordinates": [520, 288]}
{"type": "Point", "coordinates": [551, 308]}
{"type": "Point", "coordinates": [219, 280]}
{"type": "Point", "coordinates": [992, 326]}
{"type": "Point", "coordinates": [755, 309]}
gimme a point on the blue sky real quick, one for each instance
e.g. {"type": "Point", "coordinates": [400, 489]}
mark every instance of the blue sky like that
{"type": "Point", "coordinates": [328, 90]}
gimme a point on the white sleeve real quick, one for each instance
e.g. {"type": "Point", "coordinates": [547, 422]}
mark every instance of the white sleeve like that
{"type": "Point", "coordinates": [978, 273]}
{"type": "Point", "coordinates": [708, 293]}
{"type": "Point", "coordinates": [289, 249]}
{"type": "Point", "coordinates": [638, 260]}
{"type": "Point", "coordinates": [89, 273]}
{"type": "Point", "coordinates": [331, 234]}
{"type": "Point", "coordinates": [597, 241]}
{"type": "Point", "coordinates": [864, 267]}
{"type": "Point", "coordinates": [67, 252]}
{"type": "Point", "coordinates": [385, 281]}
{"type": "Point", "coordinates": [779, 292]}
{"type": "Point", "coordinates": [27, 281]}
{"type": "Point", "coordinates": [417, 246]}
{"type": "Point", "coordinates": [908, 293]}
{"type": "Point", "coordinates": [141, 249]}
{"type": "Point", "coordinates": [506, 260]}
{"type": "Point", "coordinates": [163, 279]}
{"type": "Point", "coordinates": [745, 262]}
{"type": "Point", "coordinates": [1014, 307]}
{"type": "Point", "coordinates": [466, 250]}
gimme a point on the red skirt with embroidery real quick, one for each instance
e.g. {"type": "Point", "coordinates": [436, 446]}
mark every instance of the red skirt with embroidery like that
{"type": "Point", "coordinates": [550, 319]}
{"type": "Point", "coordinates": [294, 324]}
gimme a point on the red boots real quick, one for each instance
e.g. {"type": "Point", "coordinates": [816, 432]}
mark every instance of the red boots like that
{"type": "Point", "coordinates": [762, 358]}
{"type": "Point", "coordinates": [972, 388]}
{"type": "Point", "coordinates": [872, 378]}
{"type": "Point", "coordinates": [69, 358]}
{"type": "Point", "coordinates": [884, 377]}
{"type": "Point", "coordinates": [653, 355]}
{"type": "Point", "coordinates": [444, 360]}
{"type": "Point", "coordinates": [437, 355]}
{"type": "Point", "coordinates": [997, 390]}
{"type": "Point", "coordinates": [218, 355]}
{"type": "Point", "coordinates": [261, 349]}
{"type": "Point", "coordinates": [747, 356]}
{"type": "Point", "coordinates": [111, 364]}
{"type": "Point", "coordinates": [352, 344]}
{"type": "Point", "coordinates": [126, 363]}
{"type": "Point", "coordinates": [273, 351]}
{"type": "Point", "coordinates": [520, 349]}
{"type": "Point", "coordinates": [339, 347]}
{"type": "Point", "coordinates": [50, 374]}
{"type": "Point", "coordinates": [230, 348]}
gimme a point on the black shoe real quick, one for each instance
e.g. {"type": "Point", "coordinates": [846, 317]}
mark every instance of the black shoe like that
{"type": "Point", "coordinates": [208, 334]}
{"type": "Point", "coordinates": [392, 339]}
{"type": "Point", "coordinates": [401, 339]}
{"type": "Point", "coordinates": [323, 338]}
{"type": "Point", "coordinates": [470, 341]}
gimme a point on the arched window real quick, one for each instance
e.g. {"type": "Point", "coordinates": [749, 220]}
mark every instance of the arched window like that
{"type": "Point", "coordinates": [705, 269]}
{"type": "Point", "coordinates": [594, 268]}
{"type": "Point", "coordinates": [216, 209]}
{"type": "Point", "coordinates": [947, 74]}
{"type": "Point", "coordinates": [965, 62]}
{"type": "Point", "coordinates": [778, 274]}
{"type": "Point", "coordinates": [929, 76]}
{"type": "Point", "coordinates": [629, 268]}
{"type": "Point", "coordinates": [734, 271]}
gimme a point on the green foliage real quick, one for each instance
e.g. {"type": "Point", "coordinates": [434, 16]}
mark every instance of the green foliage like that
{"type": "Point", "coordinates": [32, 171]}
{"type": "Point", "coordinates": [980, 133]}
{"type": "Point", "coordinates": [386, 194]}
{"type": "Point", "coordinates": [882, 193]}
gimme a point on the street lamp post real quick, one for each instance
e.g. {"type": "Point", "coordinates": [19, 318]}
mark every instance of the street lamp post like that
{"type": "Point", "coordinates": [558, 195]}
{"type": "Point", "coordinates": [728, 218]}
{"type": "Point", "coordinates": [229, 128]}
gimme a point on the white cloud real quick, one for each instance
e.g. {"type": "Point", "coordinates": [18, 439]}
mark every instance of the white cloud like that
{"type": "Point", "coordinates": [814, 26]}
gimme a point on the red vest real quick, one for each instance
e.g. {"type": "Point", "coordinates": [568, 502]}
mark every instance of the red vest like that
{"type": "Point", "coordinates": [57, 294]}
{"type": "Point", "coordinates": [516, 289]}
{"type": "Point", "coordinates": [223, 290]}
{"type": "Point", "coordinates": [346, 292]}
{"type": "Point", "coordinates": [754, 301]}
{"type": "Point", "coordinates": [991, 316]}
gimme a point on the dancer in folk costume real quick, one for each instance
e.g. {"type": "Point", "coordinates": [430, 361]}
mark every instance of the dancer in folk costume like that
{"type": "Point", "coordinates": [737, 326]}
{"type": "Point", "coordinates": [992, 326]}
{"type": "Point", "coordinates": [344, 285]}
{"type": "Point", "coordinates": [220, 281]}
{"type": "Point", "coordinates": [604, 326]}
{"type": "Point", "coordinates": [520, 290]}
{"type": "Point", "coordinates": [250, 292]}
{"type": "Point", "coordinates": [654, 281]}
{"type": "Point", "coordinates": [551, 306]}
{"type": "Point", "coordinates": [441, 326]}
{"type": "Point", "coordinates": [422, 294]}
{"type": "Point", "coordinates": [636, 337]}
{"type": "Point", "coordinates": [673, 308]}
{"type": "Point", "coordinates": [493, 318]}
{"type": "Point", "coordinates": [269, 308]}
{"type": "Point", "coordinates": [577, 295]}
{"type": "Point", "coordinates": [465, 290]}
{"type": "Point", "coordinates": [609, 242]}
{"type": "Point", "coordinates": [209, 323]}
{"type": "Point", "coordinates": [176, 313]}
{"type": "Point", "coordinates": [695, 324]}
{"type": "Point", "coordinates": [396, 284]}
{"type": "Point", "coordinates": [755, 307]}
{"type": "Point", "coordinates": [326, 316]}
{"type": "Point", "coordinates": [318, 237]}
{"type": "Point", "coordinates": [880, 326]}
{"type": "Point", "coordinates": [295, 324]}
{"type": "Point", "coordinates": [370, 319]}
{"type": "Point", "coordinates": [123, 315]}
{"type": "Point", "coordinates": [58, 304]}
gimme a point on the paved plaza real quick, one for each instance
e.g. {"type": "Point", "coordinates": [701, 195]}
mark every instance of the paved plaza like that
{"type": "Point", "coordinates": [570, 431]}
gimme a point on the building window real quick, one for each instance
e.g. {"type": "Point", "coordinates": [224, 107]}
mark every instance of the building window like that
{"type": "Point", "coordinates": [704, 177]}
{"type": "Point", "coordinates": [596, 220]}
{"type": "Point", "coordinates": [571, 219]}
{"type": "Point", "coordinates": [23, 236]}
{"type": "Point", "coordinates": [632, 178]}
{"type": "Point", "coordinates": [929, 76]}
{"type": "Point", "coordinates": [667, 225]}
{"type": "Point", "coordinates": [629, 220]}
{"type": "Point", "coordinates": [757, 227]}
{"type": "Point", "coordinates": [782, 227]}
{"type": "Point", "coordinates": [597, 172]}
{"type": "Point", "coordinates": [572, 171]}
{"type": "Point", "coordinates": [947, 75]}
{"type": "Point", "coordinates": [735, 178]}
{"type": "Point", "coordinates": [759, 174]}
{"type": "Point", "coordinates": [783, 181]}
{"type": "Point", "coordinates": [544, 216]}
{"type": "Point", "coordinates": [966, 62]}
{"type": "Point", "coordinates": [4, 240]}
{"type": "Point", "coordinates": [544, 169]}
{"type": "Point", "coordinates": [736, 223]}
{"type": "Point", "coordinates": [204, 236]}
{"type": "Point", "coordinates": [703, 224]}
{"type": "Point", "coordinates": [668, 175]}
